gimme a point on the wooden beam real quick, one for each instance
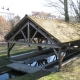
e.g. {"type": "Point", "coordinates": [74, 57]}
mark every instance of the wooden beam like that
{"type": "Point", "coordinates": [9, 47]}
{"type": "Point", "coordinates": [8, 51]}
{"type": "Point", "coordinates": [56, 52]}
{"type": "Point", "coordinates": [18, 31]}
{"type": "Point", "coordinates": [46, 41]}
{"type": "Point", "coordinates": [60, 60]}
{"type": "Point", "coordinates": [28, 32]}
{"type": "Point", "coordinates": [39, 41]}
{"type": "Point", "coordinates": [33, 36]}
{"type": "Point", "coordinates": [34, 40]}
{"type": "Point", "coordinates": [24, 35]}
{"type": "Point", "coordinates": [44, 34]}
{"type": "Point", "coordinates": [35, 44]}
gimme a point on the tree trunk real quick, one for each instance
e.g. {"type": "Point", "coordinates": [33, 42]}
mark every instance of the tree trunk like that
{"type": "Point", "coordinates": [66, 10]}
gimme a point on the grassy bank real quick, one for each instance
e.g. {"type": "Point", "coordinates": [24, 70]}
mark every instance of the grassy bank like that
{"type": "Point", "coordinates": [71, 71]}
{"type": "Point", "coordinates": [17, 49]}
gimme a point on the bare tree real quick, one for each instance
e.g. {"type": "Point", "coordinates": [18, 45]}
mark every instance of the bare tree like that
{"type": "Point", "coordinates": [66, 10]}
{"type": "Point", "coordinates": [62, 7]}
{"type": "Point", "coordinates": [58, 6]}
{"type": "Point", "coordinates": [14, 21]}
{"type": "Point", "coordinates": [75, 8]}
{"type": "Point", "coordinates": [4, 27]}
{"type": "Point", "coordinates": [17, 18]}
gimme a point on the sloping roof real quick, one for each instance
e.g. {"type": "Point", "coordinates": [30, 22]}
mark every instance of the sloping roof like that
{"type": "Point", "coordinates": [62, 31]}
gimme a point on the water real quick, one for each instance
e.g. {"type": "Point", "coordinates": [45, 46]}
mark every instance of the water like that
{"type": "Point", "coordinates": [10, 74]}
{"type": "Point", "coordinates": [43, 61]}
{"type": "Point", "coordinates": [46, 60]}
{"type": "Point", "coordinates": [13, 73]}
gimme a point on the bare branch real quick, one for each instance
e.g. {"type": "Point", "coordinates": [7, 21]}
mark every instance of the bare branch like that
{"type": "Point", "coordinates": [56, 5]}
{"type": "Point", "coordinates": [62, 1]}
{"type": "Point", "coordinates": [76, 8]}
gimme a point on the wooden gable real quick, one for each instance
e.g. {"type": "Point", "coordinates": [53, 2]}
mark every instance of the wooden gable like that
{"type": "Point", "coordinates": [27, 30]}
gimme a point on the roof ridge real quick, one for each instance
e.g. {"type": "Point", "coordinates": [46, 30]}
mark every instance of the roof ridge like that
{"type": "Point", "coordinates": [49, 18]}
{"type": "Point", "coordinates": [42, 17]}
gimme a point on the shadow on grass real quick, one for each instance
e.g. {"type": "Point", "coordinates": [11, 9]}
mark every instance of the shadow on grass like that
{"type": "Point", "coordinates": [34, 76]}
{"type": "Point", "coordinates": [37, 75]}
{"type": "Point", "coordinates": [21, 52]}
{"type": "Point", "coordinates": [4, 60]}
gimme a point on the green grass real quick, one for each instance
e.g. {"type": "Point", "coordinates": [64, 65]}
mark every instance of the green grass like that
{"type": "Point", "coordinates": [17, 49]}
{"type": "Point", "coordinates": [22, 49]}
{"type": "Point", "coordinates": [71, 71]}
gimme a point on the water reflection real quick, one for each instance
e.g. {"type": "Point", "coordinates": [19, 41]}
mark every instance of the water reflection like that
{"type": "Point", "coordinates": [10, 74]}
{"type": "Point", "coordinates": [5, 76]}
{"type": "Point", "coordinates": [43, 61]}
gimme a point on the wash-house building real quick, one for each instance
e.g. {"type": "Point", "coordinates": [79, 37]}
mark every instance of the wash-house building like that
{"type": "Point", "coordinates": [40, 31]}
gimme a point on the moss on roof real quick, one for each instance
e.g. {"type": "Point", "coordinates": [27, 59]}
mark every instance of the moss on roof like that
{"type": "Point", "coordinates": [64, 32]}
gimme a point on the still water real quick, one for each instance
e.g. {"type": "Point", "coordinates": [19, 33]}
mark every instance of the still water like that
{"type": "Point", "coordinates": [43, 61]}
{"type": "Point", "coordinates": [13, 73]}
{"type": "Point", "coordinates": [10, 74]}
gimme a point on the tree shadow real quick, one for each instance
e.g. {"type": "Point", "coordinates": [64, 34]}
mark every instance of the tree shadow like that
{"type": "Point", "coordinates": [38, 75]}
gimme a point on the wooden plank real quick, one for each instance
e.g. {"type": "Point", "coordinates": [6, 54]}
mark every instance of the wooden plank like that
{"type": "Point", "coordinates": [36, 44]}
{"type": "Point", "coordinates": [23, 67]}
{"type": "Point", "coordinates": [37, 58]}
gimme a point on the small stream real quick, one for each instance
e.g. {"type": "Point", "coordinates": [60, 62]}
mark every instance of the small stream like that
{"type": "Point", "coordinates": [43, 61]}
{"type": "Point", "coordinates": [13, 73]}
{"type": "Point", "coordinates": [10, 74]}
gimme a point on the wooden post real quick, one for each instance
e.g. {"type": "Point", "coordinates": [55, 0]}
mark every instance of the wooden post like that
{"type": "Point", "coordinates": [8, 50]}
{"type": "Point", "coordinates": [28, 34]}
{"type": "Point", "coordinates": [60, 58]}
{"type": "Point", "coordinates": [39, 41]}
{"type": "Point", "coordinates": [46, 41]}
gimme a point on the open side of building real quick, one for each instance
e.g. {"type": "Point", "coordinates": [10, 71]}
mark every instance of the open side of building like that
{"type": "Point", "coordinates": [37, 31]}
